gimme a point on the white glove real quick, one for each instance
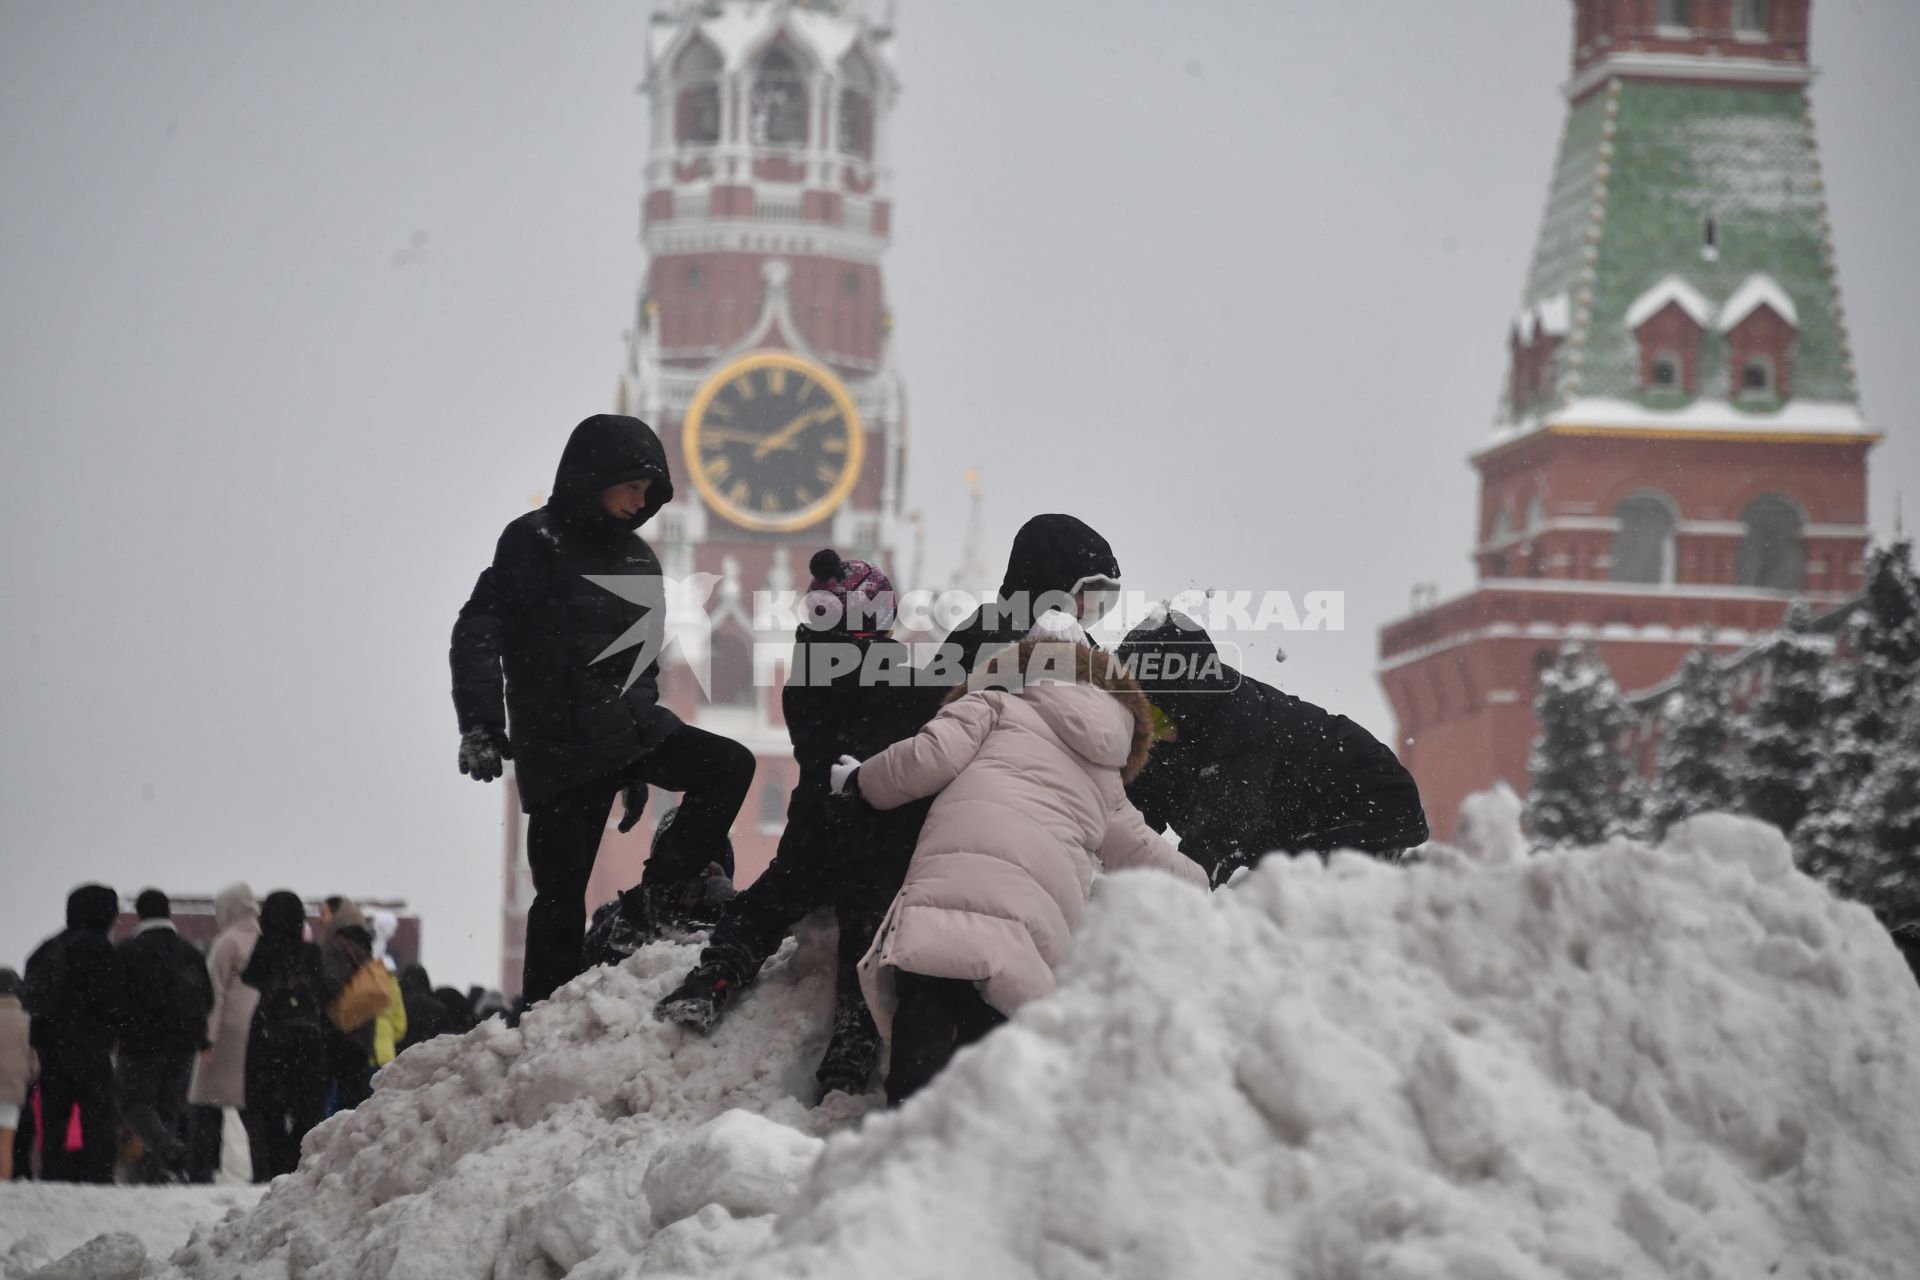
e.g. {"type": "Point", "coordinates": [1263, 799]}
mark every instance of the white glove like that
{"type": "Point", "coordinates": [840, 771]}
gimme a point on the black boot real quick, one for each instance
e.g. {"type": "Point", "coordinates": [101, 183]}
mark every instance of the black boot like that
{"type": "Point", "coordinates": [701, 997]}
{"type": "Point", "coordinates": [854, 1050]}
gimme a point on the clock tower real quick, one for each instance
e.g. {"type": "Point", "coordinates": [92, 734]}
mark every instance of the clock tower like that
{"type": "Point", "coordinates": [760, 351]}
{"type": "Point", "coordinates": [1679, 449]}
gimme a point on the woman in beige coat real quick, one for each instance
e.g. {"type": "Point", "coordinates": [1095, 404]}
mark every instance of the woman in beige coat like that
{"type": "Point", "coordinates": [220, 1075]}
{"type": "Point", "coordinates": [1029, 762]}
{"type": "Point", "coordinates": [17, 1066]}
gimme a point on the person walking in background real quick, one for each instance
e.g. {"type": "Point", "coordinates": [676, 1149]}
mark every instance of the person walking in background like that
{"type": "Point", "coordinates": [166, 997]}
{"type": "Point", "coordinates": [16, 1067]}
{"type": "Point", "coordinates": [72, 991]}
{"type": "Point", "coordinates": [1027, 765]}
{"type": "Point", "coordinates": [427, 1017]}
{"type": "Point", "coordinates": [219, 1077]}
{"type": "Point", "coordinates": [286, 1065]}
{"type": "Point", "coordinates": [347, 966]}
{"type": "Point", "coordinates": [390, 1024]}
{"type": "Point", "coordinates": [548, 639]}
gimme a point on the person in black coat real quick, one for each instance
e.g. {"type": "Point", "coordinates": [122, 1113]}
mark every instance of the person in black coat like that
{"type": "Point", "coordinates": [579, 661]}
{"type": "Point", "coordinates": [848, 691]}
{"type": "Point", "coordinates": [72, 990]}
{"type": "Point", "coordinates": [288, 1060]}
{"type": "Point", "coordinates": [427, 1017]}
{"type": "Point", "coordinates": [166, 996]}
{"type": "Point", "coordinates": [1057, 562]}
{"type": "Point", "coordinates": [1248, 769]}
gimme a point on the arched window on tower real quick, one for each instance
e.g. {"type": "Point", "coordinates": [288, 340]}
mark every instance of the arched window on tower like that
{"type": "Point", "coordinates": [1772, 552]}
{"type": "Point", "coordinates": [696, 111]}
{"type": "Point", "coordinates": [779, 100]}
{"type": "Point", "coordinates": [856, 107]}
{"type": "Point", "coordinates": [731, 683]}
{"type": "Point", "coordinates": [1643, 542]}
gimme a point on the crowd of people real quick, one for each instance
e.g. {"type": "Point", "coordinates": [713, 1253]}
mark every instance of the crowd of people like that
{"type": "Point", "coordinates": [950, 812]}
{"type": "Point", "coordinates": [125, 1059]}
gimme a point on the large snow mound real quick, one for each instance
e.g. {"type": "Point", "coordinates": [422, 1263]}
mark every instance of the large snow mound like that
{"type": "Point", "coordinates": [1624, 1061]}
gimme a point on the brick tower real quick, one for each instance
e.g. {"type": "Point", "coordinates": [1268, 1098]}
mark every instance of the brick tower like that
{"type": "Point", "coordinates": [760, 352]}
{"type": "Point", "coordinates": [1679, 445]}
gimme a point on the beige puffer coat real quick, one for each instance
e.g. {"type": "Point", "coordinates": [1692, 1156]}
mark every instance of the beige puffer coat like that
{"type": "Point", "coordinates": [17, 1066]}
{"type": "Point", "coordinates": [220, 1074]}
{"type": "Point", "coordinates": [1031, 788]}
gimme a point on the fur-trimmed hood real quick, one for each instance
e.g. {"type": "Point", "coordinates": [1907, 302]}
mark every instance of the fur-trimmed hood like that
{"type": "Point", "coordinates": [1035, 664]}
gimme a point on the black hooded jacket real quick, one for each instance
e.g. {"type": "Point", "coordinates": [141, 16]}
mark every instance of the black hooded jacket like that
{"type": "Point", "coordinates": [1253, 769]}
{"type": "Point", "coordinates": [73, 980]}
{"type": "Point", "coordinates": [576, 711]}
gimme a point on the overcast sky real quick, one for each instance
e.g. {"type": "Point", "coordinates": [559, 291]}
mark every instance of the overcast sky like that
{"type": "Point", "coordinates": [297, 304]}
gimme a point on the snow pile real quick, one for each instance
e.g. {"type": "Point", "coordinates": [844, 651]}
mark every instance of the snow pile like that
{"type": "Point", "coordinates": [526, 1152]}
{"type": "Point", "coordinates": [1600, 1063]}
{"type": "Point", "coordinates": [41, 1222]}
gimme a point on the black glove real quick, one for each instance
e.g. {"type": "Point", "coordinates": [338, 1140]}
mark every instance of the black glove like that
{"type": "Point", "coordinates": [635, 797]}
{"type": "Point", "coordinates": [482, 748]}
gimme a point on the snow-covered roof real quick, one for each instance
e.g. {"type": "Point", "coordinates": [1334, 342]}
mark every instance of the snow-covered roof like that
{"type": "Point", "coordinates": [1671, 289]}
{"type": "Point", "coordinates": [1706, 416]}
{"type": "Point", "coordinates": [1757, 290]}
{"type": "Point", "coordinates": [1551, 316]}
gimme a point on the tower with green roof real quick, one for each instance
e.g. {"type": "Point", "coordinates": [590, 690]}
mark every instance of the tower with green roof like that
{"type": "Point", "coordinates": [1678, 448]}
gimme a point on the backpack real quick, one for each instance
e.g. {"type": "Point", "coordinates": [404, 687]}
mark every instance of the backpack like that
{"type": "Point", "coordinates": [291, 1005]}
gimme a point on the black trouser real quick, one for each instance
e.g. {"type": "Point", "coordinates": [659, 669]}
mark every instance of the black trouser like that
{"type": "Point", "coordinates": [153, 1103]}
{"type": "Point", "coordinates": [286, 1096]}
{"type": "Point", "coordinates": [934, 1019]}
{"type": "Point", "coordinates": [563, 839]}
{"type": "Point", "coordinates": [83, 1080]}
{"type": "Point", "coordinates": [831, 854]}
{"type": "Point", "coordinates": [206, 1135]}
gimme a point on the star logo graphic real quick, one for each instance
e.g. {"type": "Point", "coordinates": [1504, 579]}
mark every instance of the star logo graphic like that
{"type": "Point", "coordinates": [671, 609]}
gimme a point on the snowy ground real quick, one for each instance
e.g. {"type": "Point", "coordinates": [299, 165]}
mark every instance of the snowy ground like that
{"type": "Point", "coordinates": [40, 1222]}
{"type": "Point", "coordinates": [1621, 1062]}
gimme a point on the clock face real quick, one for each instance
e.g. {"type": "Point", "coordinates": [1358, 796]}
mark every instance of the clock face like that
{"type": "Point", "coordinates": [774, 441]}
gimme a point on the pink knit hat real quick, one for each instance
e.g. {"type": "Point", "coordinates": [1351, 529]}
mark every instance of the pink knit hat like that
{"type": "Point", "coordinates": [848, 595]}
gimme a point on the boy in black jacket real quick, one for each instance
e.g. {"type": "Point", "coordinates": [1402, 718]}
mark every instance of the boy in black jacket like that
{"type": "Point", "coordinates": [847, 691]}
{"type": "Point", "coordinates": [1248, 769]}
{"type": "Point", "coordinates": [572, 596]}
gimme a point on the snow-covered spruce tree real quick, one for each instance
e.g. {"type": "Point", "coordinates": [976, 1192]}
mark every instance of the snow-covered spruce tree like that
{"type": "Point", "coordinates": [1780, 738]}
{"type": "Point", "coordinates": [1865, 694]}
{"type": "Point", "coordinates": [1693, 768]}
{"type": "Point", "coordinates": [1888, 814]}
{"type": "Point", "coordinates": [1582, 786]}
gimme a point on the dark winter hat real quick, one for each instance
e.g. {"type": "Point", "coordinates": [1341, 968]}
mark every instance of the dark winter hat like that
{"type": "Point", "coordinates": [1056, 552]}
{"type": "Point", "coordinates": [9, 983]}
{"type": "Point", "coordinates": [152, 905]}
{"type": "Point", "coordinates": [93, 906]}
{"type": "Point", "coordinates": [1175, 662]}
{"type": "Point", "coordinates": [848, 595]}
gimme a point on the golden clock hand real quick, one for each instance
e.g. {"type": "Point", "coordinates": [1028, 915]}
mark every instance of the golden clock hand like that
{"type": "Point", "coordinates": [781, 438]}
{"type": "Point", "coordinates": [729, 435]}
